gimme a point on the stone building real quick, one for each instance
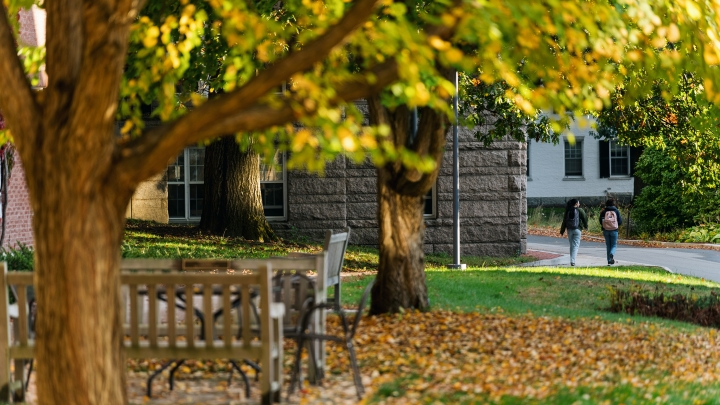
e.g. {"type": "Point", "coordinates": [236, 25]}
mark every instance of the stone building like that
{"type": "Point", "coordinates": [297, 204]}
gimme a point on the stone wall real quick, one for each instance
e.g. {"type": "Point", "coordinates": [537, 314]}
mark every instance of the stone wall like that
{"type": "Point", "coordinates": [150, 201]}
{"type": "Point", "coordinates": [492, 201]}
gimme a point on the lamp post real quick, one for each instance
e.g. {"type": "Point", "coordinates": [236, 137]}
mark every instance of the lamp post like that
{"type": "Point", "coordinates": [456, 182]}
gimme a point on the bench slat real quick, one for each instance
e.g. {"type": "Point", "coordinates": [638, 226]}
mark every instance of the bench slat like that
{"type": "Point", "coordinates": [172, 339]}
{"type": "Point", "coordinates": [227, 315]}
{"type": "Point", "coordinates": [22, 314]}
{"type": "Point", "coordinates": [245, 315]}
{"type": "Point", "coordinates": [208, 312]}
{"type": "Point", "coordinates": [152, 314]}
{"type": "Point", "coordinates": [134, 321]}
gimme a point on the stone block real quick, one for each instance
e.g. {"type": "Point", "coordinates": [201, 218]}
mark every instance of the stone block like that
{"type": "Point", "coordinates": [367, 223]}
{"type": "Point", "coordinates": [369, 173]}
{"type": "Point", "coordinates": [317, 224]}
{"type": "Point", "coordinates": [299, 212]}
{"type": "Point", "coordinates": [517, 183]}
{"type": "Point", "coordinates": [474, 209]}
{"type": "Point", "coordinates": [440, 234]}
{"type": "Point", "coordinates": [302, 174]}
{"type": "Point", "coordinates": [364, 236]}
{"type": "Point", "coordinates": [361, 185]}
{"type": "Point", "coordinates": [362, 198]}
{"type": "Point", "coordinates": [518, 207]}
{"type": "Point", "coordinates": [484, 233]}
{"type": "Point", "coordinates": [477, 184]}
{"type": "Point", "coordinates": [317, 186]}
{"type": "Point", "coordinates": [315, 198]}
{"type": "Point", "coordinates": [516, 158]}
{"type": "Point", "coordinates": [362, 211]}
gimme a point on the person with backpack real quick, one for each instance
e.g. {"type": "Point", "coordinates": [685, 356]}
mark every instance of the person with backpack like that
{"type": "Point", "coordinates": [610, 220]}
{"type": "Point", "coordinates": [574, 221]}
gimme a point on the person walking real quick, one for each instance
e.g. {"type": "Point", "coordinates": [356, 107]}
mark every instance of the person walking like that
{"type": "Point", "coordinates": [610, 220]}
{"type": "Point", "coordinates": [574, 221]}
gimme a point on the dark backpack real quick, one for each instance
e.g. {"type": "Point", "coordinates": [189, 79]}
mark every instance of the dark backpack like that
{"type": "Point", "coordinates": [572, 221]}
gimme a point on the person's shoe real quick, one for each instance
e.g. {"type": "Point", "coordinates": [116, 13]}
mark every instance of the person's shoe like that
{"type": "Point", "coordinates": [612, 261]}
{"type": "Point", "coordinates": [572, 264]}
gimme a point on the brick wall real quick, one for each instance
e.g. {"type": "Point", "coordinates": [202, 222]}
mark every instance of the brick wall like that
{"type": "Point", "coordinates": [19, 214]}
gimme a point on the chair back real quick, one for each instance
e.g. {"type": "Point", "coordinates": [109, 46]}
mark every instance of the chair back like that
{"type": "Point", "coordinates": [335, 247]}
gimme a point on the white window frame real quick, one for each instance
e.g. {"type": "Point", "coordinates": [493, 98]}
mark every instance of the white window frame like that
{"type": "Point", "coordinates": [284, 183]}
{"type": "Point", "coordinates": [610, 159]}
{"type": "Point", "coordinates": [579, 140]}
{"type": "Point", "coordinates": [433, 203]}
{"type": "Point", "coordinates": [186, 183]}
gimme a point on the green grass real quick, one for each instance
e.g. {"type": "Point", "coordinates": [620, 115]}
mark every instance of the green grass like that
{"type": "Point", "coordinates": [615, 393]}
{"type": "Point", "coordinates": [566, 292]}
{"type": "Point", "coordinates": [151, 240]}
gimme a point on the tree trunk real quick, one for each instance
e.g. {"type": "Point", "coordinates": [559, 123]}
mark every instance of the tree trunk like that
{"type": "Point", "coordinates": [400, 280]}
{"type": "Point", "coordinates": [401, 273]}
{"type": "Point", "coordinates": [233, 203]}
{"type": "Point", "coordinates": [78, 226]}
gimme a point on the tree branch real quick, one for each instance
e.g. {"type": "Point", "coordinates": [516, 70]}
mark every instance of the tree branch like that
{"type": "Point", "coordinates": [137, 162]}
{"type": "Point", "coordinates": [164, 142]}
{"type": "Point", "coordinates": [16, 99]}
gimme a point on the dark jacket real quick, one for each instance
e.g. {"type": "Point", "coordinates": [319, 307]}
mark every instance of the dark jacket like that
{"type": "Point", "coordinates": [617, 213]}
{"type": "Point", "coordinates": [583, 221]}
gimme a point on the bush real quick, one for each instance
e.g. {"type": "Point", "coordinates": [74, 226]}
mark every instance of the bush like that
{"type": "Point", "coordinates": [20, 258]}
{"type": "Point", "coordinates": [704, 311]}
{"type": "Point", "coordinates": [709, 233]}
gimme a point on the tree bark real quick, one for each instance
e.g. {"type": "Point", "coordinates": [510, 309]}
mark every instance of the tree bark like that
{"type": "Point", "coordinates": [78, 226]}
{"type": "Point", "coordinates": [233, 203]}
{"type": "Point", "coordinates": [400, 280]}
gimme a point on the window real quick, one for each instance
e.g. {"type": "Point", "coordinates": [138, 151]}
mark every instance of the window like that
{"type": "Point", "coordinates": [185, 185]}
{"type": "Point", "coordinates": [429, 204]}
{"type": "Point", "coordinates": [573, 159]}
{"type": "Point", "coordinates": [272, 187]}
{"type": "Point", "coordinates": [619, 159]}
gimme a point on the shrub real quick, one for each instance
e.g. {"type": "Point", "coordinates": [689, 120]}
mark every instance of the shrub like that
{"type": "Point", "coordinates": [704, 311]}
{"type": "Point", "coordinates": [709, 233]}
{"type": "Point", "coordinates": [20, 258]}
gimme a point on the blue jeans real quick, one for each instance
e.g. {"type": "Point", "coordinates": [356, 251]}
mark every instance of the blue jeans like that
{"type": "Point", "coordinates": [574, 238]}
{"type": "Point", "coordinates": [611, 238]}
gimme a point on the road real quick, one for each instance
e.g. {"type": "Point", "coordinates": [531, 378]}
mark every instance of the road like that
{"type": "Point", "coordinates": [691, 262]}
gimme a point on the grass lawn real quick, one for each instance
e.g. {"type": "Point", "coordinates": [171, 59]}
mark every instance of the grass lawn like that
{"type": "Point", "coordinates": [501, 334]}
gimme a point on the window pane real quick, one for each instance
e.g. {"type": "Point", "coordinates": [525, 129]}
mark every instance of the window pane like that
{"type": "Point", "coordinates": [197, 192]}
{"type": "Point", "coordinates": [428, 208]}
{"type": "Point", "coordinates": [273, 172]}
{"type": "Point", "coordinates": [196, 157]}
{"type": "Point", "coordinates": [573, 159]}
{"type": "Point", "coordinates": [176, 170]}
{"type": "Point", "coordinates": [272, 199]}
{"type": "Point", "coordinates": [619, 162]}
{"type": "Point", "coordinates": [176, 200]}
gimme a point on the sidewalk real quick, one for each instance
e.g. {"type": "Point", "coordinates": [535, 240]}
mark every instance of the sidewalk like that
{"type": "Point", "coordinates": [582, 260]}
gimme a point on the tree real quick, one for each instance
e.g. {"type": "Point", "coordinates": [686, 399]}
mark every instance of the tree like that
{"type": "Point", "coordinates": [232, 205]}
{"type": "Point", "coordinates": [81, 175]}
{"type": "Point", "coordinates": [682, 149]}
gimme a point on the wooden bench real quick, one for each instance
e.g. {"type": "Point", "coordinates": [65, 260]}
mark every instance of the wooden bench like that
{"type": "Point", "coordinates": [152, 340]}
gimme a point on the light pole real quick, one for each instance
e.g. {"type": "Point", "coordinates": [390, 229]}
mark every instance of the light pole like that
{"type": "Point", "coordinates": [456, 182]}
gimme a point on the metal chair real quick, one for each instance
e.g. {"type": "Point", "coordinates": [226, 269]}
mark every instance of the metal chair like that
{"type": "Point", "coordinates": [304, 335]}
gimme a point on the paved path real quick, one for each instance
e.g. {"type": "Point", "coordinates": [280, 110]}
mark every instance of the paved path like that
{"type": "Point", "coordinates": [691, 262]}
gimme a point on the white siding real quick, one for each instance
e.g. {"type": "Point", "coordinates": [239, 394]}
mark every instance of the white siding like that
{"type": "Point", "coordinates": [547, 171]}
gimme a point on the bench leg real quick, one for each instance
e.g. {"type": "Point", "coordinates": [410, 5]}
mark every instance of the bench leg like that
{"type": "Point", "coordinates": [278, 366]}
{"type": "Point", "coordinates": [5, 392]}
{"type": "Point", "coordinates": [19, 381]}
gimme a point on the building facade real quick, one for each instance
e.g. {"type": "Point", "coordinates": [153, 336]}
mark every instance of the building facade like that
{"type": "Point", "coordinates": [492, 198]}
{"type": "Point", "coordinates": [589, 169]}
